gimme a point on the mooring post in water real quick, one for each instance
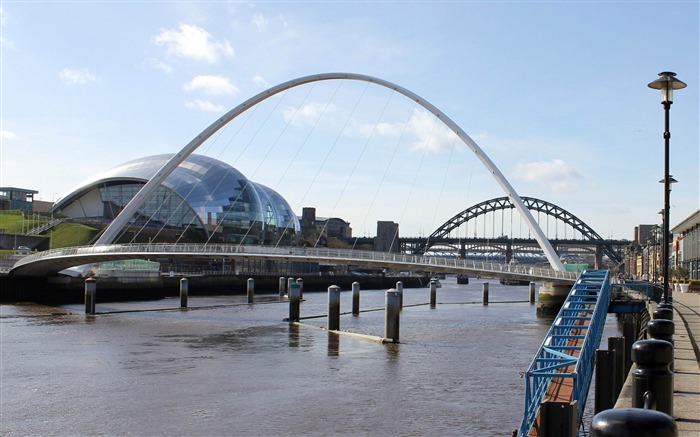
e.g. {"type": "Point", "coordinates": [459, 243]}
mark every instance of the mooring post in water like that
{"type": "Point", "coordinates": [301, 288]}
{"type": "Point", "coordinates": [485, 293]}
{"type": "Point", "coordinates": [250, 290]}
{"type": "Point", "coordinates": [356, 298]}
{"type": "Point", "coordinates": [652, 380]}
{"type": "Point", "coordinates": [604, 399]}
{"type": "Point", "coordinates": [184, 290]}
{"type": "Point", "coordinates": [333, 308]}
{"type": "Point", "coordinates": [633, 422]}
{"type": "Point", "coordinates": [392, 310]}
{"type": "Point", "coordinates": [290, 281]}
{"type": "Point", "coordinates": [533, 293]}
{"type": "Point", "coordinates": [433, 293]}
{"type": "Point", "coordinates": [282, 286]}
{"type": "Point", "coordinates": [294, 299]}
{"type": "Point", "coordinates": [617, 346]}
{"type": "Point", "coordinates": [559, 418]}
{"type": "Point", "coordinates": [399, 289]}
{"type": "Point", "coordinates": [90, 291]}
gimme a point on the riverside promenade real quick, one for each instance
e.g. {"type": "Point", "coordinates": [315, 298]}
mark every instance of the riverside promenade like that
{"type": "Point", "coordinates": [686, 375]}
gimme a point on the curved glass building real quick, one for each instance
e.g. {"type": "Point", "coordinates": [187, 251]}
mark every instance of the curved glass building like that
{"type": "Point", "coordinates": [202, 194]}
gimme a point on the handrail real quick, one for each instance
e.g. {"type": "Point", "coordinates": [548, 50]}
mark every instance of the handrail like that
{"type": "Point", "coordinates": [292, 252]}
{"type": "Point", "coordinates": [581, 317]}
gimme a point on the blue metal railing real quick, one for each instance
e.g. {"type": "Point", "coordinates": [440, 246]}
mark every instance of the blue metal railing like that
{"type": "Point", "coordinates": [637, 290]}
{"type": "Point", "coordinates": [571, 341]}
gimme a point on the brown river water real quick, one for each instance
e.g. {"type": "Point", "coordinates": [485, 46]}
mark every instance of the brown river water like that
{"type": "Point", "coordinates": [233, 369]}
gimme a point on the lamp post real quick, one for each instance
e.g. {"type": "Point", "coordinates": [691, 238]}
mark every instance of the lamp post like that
{"type": "Point", "coordinates": [666, 82]}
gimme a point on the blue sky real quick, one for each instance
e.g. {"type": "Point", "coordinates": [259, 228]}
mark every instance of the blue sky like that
{"type": "Point", "coordinates": [554, 92]}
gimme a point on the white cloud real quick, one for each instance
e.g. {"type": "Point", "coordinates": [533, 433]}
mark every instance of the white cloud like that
{"type": "Point", "coordinates": [79, 77]}
{"type": "Point", "coordinates": [428, 133]}
{"type": "Point", "coordinates": [260, 82]}
{"type": "Point", "coordinates": [556, 174]}
{"type": "Point", "coordinates": [193, 42]}
{"type": "Point", "coordinates": [261, 21]}
{"type": "Point", "coordinates": [308, 114]}
{"type": "Point", "coordinates": [211, 85]}
{"type": "Point", "coordinates": [7, 135]}
{"type": "Point", "coordinates": [204, 105]}
{"type": "Point", "coordinates": [160, 65]}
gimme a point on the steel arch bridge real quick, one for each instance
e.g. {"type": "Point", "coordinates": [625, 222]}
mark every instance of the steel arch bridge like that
{"type": "Point", "coordinates": [131, 208]}
{"type": "Point", "coordinates": [503, 203]}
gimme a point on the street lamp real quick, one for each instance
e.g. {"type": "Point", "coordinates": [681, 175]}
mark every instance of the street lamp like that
{"type": "Point", "coordinates": [666, 82]}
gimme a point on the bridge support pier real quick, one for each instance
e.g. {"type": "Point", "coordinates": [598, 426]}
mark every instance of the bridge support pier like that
{"type": "Point", "coordinates": [550, 298]}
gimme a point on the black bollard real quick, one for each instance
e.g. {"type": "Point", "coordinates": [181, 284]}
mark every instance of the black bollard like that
{"type": "Point", "coordinates": [653, 374]}
{"type": "Point", "coordinates": [633, 422]}
{"type": "Point", "coordinates": [663, 313]}
{"type": "Point", "coordinates": [433, 293]}
{"type": "Point", "coordinates": [661, 329]}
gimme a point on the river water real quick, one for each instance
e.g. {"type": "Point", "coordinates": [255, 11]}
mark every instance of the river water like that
{"type": "Point", "coordinates": [240, 370]}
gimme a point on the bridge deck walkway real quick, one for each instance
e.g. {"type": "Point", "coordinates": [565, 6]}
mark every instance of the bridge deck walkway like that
{"type": "Point", "coordinates": [561, 370]}
{"type": "Point", "coordinates": [562, 389]}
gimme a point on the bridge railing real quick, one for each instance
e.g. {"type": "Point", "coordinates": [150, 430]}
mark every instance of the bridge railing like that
{"type": "Point", "coordinates": [301, 253]}
{"type": "Point", "coordinates": [582, 317]}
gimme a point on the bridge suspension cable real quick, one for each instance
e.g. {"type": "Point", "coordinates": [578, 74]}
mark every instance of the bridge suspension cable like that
{"type": "Point", "coordinates": [130, 209]}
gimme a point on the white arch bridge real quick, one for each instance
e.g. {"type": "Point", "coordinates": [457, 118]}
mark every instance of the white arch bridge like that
{"type": "Point", "coordinates": [52, 261]}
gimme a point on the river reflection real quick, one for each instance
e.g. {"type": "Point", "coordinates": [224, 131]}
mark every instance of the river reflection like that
{"type": "Point", "coordinates": [242, 370]}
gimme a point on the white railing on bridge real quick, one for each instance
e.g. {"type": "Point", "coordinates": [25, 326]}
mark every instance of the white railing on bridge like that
{"type": "Point", "coordinates": [298, 253]}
